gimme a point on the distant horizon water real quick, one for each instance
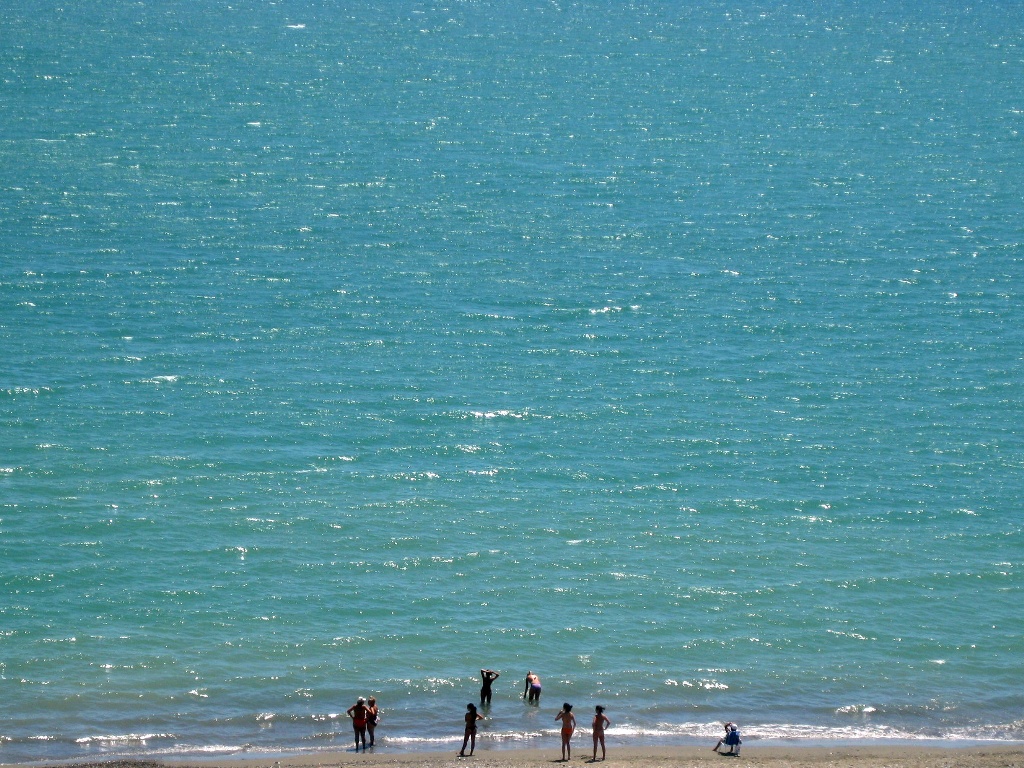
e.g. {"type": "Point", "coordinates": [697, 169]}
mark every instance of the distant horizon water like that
{"type": "Point", "coordinates": [674, 352]}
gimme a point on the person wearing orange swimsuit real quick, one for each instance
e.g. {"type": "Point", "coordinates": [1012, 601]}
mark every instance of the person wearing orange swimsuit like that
{"type": "Point", "coordinates": [568, 726]}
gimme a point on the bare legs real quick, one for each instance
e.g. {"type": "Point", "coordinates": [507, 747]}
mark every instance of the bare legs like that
{"type": "Point", "coordinates": [469, 738]}
{"type": "Point", "coordinates": [598, 739]}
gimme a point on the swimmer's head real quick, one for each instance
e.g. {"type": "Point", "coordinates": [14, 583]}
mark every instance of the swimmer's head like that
{"type": "Point", "coordinates": [567, 707]}
{"type": "Point", "coordinates": [599, 709]}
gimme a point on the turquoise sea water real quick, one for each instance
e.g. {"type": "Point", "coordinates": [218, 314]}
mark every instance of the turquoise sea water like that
{"type": "Point", "coordinates": [672, 351]}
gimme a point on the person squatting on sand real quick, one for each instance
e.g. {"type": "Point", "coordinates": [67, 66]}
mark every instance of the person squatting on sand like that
{"type": "Point", "coordinates": [372, 718]}
{"type": "Point", "coordinates": [568, 726]}
{"type": "Point", "coordinates": [601, 722]}
{"type": "Point", "coordinates": [470, 737]}
{"type": "Point", "coordinates": [488, 676]}
{"type": "Point", "coordinates": [721, 741]}
{"type": "Point", "coordinates": [532, 690]}
{"type": "Point", "coordinates": [731, 739]}
{"type": "Point", "coordinates": [359, 713]}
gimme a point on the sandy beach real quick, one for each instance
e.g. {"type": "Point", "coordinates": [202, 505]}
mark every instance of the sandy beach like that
{"type": "Point", "coordinates": [894, 756]}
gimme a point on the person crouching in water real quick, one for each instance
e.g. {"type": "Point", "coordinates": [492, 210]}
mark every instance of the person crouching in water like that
{"type": "Point", "coordinates": [568, 726]}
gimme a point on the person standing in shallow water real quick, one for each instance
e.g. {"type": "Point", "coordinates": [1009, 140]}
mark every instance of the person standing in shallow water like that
{"type": "Point", "coordinates": [359, 713]}
{"type": "Point", "coordinates": [470, 737]}
{"type": "Point", "coordinates": [601, 722]}
{"type": "Point", "coordinates": [568, 727]}
{"type": "Point", "coordinates": [532, 690]}
{"type": "Point", "coordinates": [488, 676]}
{"type": "Point", "coordinates": [373, 715]}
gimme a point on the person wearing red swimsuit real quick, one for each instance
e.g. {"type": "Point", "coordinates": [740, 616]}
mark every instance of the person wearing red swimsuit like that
{"type": "Point", "coordinates": [359, 713]}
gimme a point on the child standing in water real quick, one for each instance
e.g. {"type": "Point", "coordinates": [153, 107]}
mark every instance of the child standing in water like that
{"type": "Point", "coordinates": [568, 726]}
{"type": "Point", "coordinates": [601, 722]}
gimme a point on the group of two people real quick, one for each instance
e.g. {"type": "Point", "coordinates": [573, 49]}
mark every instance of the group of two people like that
{"type": "Point", "coordinates": [565, 716]}
{"type": "Point", "coordinates": [731, 739]}
{"type": "Point", "coordinates": [599, 724]}
{"type": "Point", "coordinates": [531, 692]}
{"type": "Point", "coordinates": [365, 716]}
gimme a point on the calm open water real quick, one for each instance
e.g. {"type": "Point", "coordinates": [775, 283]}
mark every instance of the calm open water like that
{"type": "Point", "coordinates": [674, 351]}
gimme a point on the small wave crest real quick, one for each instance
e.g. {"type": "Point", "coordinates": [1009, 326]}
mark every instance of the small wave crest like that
{"type": "Point", "coordinates": [856, 709]}
{"type": "Point", "coordinates": [126, 738]}
{"type": "Point", "coordinates": [503, 413]}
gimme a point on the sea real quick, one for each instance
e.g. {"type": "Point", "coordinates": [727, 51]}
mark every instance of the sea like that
{"type": "Point", "coordinates": [670, 350]}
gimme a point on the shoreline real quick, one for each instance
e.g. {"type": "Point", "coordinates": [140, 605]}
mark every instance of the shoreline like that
{"type": "Point", "coordinates": [873, 756]}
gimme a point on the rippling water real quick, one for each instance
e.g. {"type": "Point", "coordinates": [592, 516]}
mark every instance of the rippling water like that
{"type": "Point", "coordinates": [671, 351]}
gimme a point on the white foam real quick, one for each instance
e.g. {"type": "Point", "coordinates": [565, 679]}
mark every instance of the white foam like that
{"type": "Point", "coordinates": [123, 738]}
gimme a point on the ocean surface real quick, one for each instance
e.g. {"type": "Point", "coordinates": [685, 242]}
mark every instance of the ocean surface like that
{"type": "Point", "coordinates": [673, 351]}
